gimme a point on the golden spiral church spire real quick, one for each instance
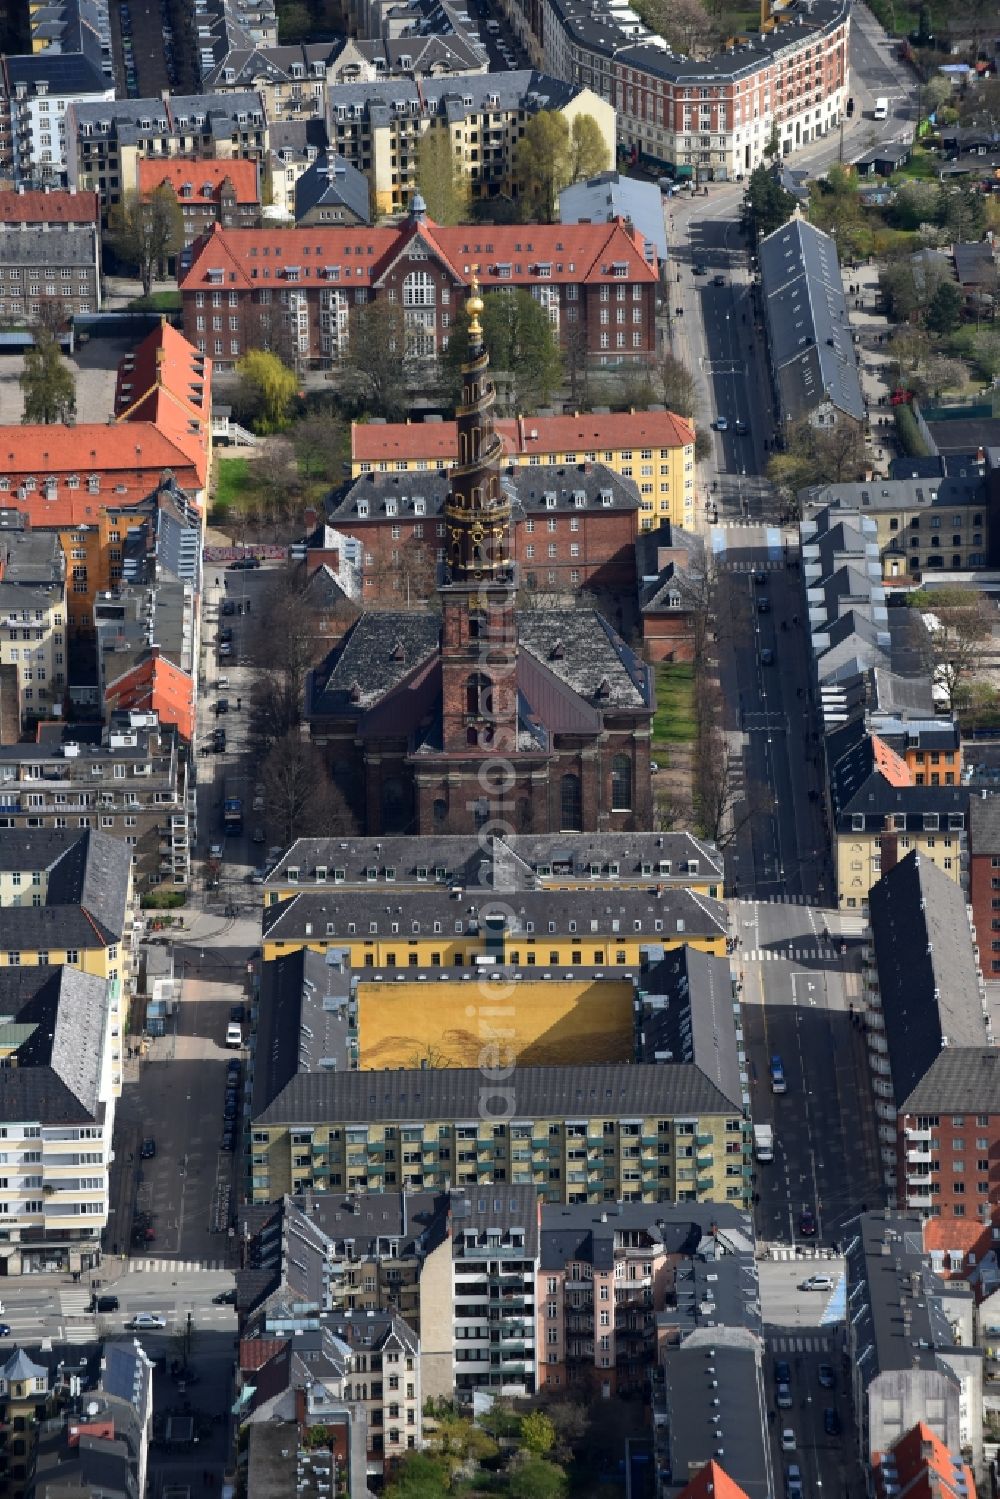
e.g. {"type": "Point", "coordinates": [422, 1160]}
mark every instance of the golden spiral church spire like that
{"type": "Point", "coordinates": [474, 306]}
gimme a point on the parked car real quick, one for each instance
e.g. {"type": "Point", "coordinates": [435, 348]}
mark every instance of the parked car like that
{"type": "Point", "coordinates": [216, 850]}
{"type": "Point", "coordinates": [721, 424]}
{"type": "Point", "coordinates": [228, 607]}
{"type": "Point", "coordinates": [147, 1149]}
{"type": "Point", "coordinates": [237, 1013]}
{"type": "Point", "coordinates": [782, 1371]}
{"type": "Point", "coordinates": [788, 1443]}
{"type": "Point", "coordinates": [784, 1397]}
{"type": "Point", "coordinates": [243, 564]}
{"type": "Point", "coordinates": [718, 280]}
{"type": "Point", "coordinates": [827, 1377]}
{"type": "Point", "coordinates": [234, 1034]}
{"type": "Point", "coordinates": [143, 1321]}
{"type": "Point", "coordinates": [222, 706]}
{"type": "Point", "coordinates": [793, 1481]}
{"type": "Point", "coordinates": [234, 1067]}
{"type": "Point", "coordinates": [818, 1283]}
{"type": "Point", "coordinates": [257, 836]}
{"type": "Point", "coordinates": [831, 1422]}
{"type": "Point", "coordinates": [228, 1138]}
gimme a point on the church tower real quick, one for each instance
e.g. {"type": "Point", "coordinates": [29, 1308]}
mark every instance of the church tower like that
{"type": "Point", "coordinates": [479, 641]}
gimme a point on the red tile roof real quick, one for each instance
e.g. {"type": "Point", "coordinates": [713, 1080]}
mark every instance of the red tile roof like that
{"type": "Point", "coordinates": [154, 682]}
{"type": "Point", "coordinates": [362, 257]}
{"type": "Point", "coordinates": [711, 1482]}
{"type": "Point", "coordinates": [922, 1468]}
{"type": "Point", "coordinates": [167, 382]}
{"type": "Point", "coordinates": [437, 442]}
{"type": "Point", "coordinates": [178, 171]}
{"type": "Point", "coordinates": [49, 208]}
{"type": "Point", "coordinates": [256, 1352]}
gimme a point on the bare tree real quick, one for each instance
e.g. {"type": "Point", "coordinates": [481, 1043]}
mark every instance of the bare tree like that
{"type": "Point", "coordinates": [301, 798]}
{"type": "Point", "coordinates": [957, 636]}
{"type": "Point", "coordinates": [284, 643]}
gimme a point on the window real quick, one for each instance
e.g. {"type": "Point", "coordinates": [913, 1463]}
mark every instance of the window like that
{"type": "Point", "coordinates": [571, 804]}
{"type": "Point", "coordinates": [621, 784]}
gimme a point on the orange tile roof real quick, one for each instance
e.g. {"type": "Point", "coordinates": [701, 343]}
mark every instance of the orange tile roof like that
{"type": "Point", "coordinates": [154, 682]}
{"type": "Point", "coordinates": [711, 1482]}
{"type": "Point", "coordinates": [49, 208]}
{"type": "Point", "coordinates": [923, 1468]}
{"type": "Point", "coordinates": [256, 1352]}
{"type": "Point", "coordinates": [572, 253]}
{"type": "Point", "coordinates": [167, 382]}
{"type": "Point", "coordinates": [889, 764]}
{"type": "Point", "coordinates": [178, 171]}
{"type": "Point", "coordinates": [437, 442]}
{"type": "Point", "coordinates": [966, 1234]}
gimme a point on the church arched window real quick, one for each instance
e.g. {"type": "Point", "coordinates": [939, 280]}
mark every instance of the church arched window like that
{"type": "Point", "coordinates": [621, 784]}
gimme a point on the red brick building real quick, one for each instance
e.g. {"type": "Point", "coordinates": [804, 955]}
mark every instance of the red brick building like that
{"type": "Point", "coordinates": [594, 278]}
{"type": "Point", "coordinates": [209, 192]}
{"type": "Point", "coordinates": [572, 528]}
{"type": "Point", "coordinates": [486, 715]}
{"type": "Point", "coordinates": [984, 878]}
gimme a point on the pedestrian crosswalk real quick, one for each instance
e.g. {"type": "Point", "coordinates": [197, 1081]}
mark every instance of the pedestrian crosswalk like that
{"type": "Point", "coordinates": [163, 1267]}
{"type": "Point", "coordinates": [80, 1332]}
{"type": "Point", "coordinates": [804, 1343]}
{"type": "Point", "coordinates": [74, 1301]}
{"type": "Point", "coordinates": [790, 955]}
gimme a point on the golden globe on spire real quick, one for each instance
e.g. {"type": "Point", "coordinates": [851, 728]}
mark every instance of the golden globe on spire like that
{"type": "Point", "coordinates": [474, 306]}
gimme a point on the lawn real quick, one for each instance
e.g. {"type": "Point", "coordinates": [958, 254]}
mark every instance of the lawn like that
{"type": "Point", "coordinates": [232, 480]}
{"type": "Point", "coordinates": [159, 301]}
{"type": "Point", "coordinates": [673, 722]}
{"type": "Point", "coordinates": [921, 164]}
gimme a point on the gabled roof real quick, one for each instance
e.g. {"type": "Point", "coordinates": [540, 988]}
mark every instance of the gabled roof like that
{"type": "Point", "coordinates": [54, 1028]}
{"type": "Point", "coordinates": [580, 433]}
{"type": "Point", "coordinates": [711, 1482]}
{"type": "Point", "coordinates": [166, 382]}
{"type": "Point", "coordinates": [176, 172]}
{"type": "Point", "coordinates": [919, 1465]}
{"type": "Point", "coordinates": [49, 208]}
{"type": "Point", "coordinates": [506, 254]}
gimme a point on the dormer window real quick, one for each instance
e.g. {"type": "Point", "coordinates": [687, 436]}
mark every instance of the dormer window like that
{"type": "Point", "coordinates": [390, 507]}
{"type": "Point", "coordinates": [206, 189]}
{"type": "Point", "coordinates": [419, 506]}
{"type": "Point", "coordinates": [362, 509]}
{"type": "Point", "coordinates": [543, 269]}
{"type": "Point", "coordinates": [550, 501]}
{"type": "Point", "coordinates": [186, 190]}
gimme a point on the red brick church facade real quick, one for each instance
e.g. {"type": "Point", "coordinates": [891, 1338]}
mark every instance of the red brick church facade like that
{"type": "Point", "coordinates": [485, 716]}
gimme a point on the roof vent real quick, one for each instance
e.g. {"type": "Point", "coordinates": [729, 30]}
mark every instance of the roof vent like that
{"type": "Point", "coordinates": [557, 652]}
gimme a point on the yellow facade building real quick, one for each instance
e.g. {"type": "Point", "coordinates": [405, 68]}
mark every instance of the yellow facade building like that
{"type": "Point", "coordinates": [653, 448]}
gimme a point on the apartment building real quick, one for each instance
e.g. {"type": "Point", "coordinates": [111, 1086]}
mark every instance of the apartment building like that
{"type": "Point", "coordinates": [615, 1284]}
{"type": "Point", "coordinates": [916, 1369]}
{"type": "Point", "coordinates": [133, 784]}
{"type": "Point", "coordinates": [40, 89]}
{"type": "Point", "coordinates": [293, 147]}
{"type": "Point", "coordinates": [50, 250]}
{"type": "Point", "coordinates": [927, 1030]}
{"type": "Point", "coordinates": [33, 618]}
{"type": "Point", "coordinates": [147, 652]}
{"type": "Point", "coordinates": [600, 279]}
{"type": "Point", "coordinates": [594, 1133]}
{"type": "Point", "coordinates": [984, 878]}
{"type": "Point", "coordinates": [57, 1108]}
{"type": "Point", "coordinates": [291, 79]}
{"type": "Point", "coordinates": [549, 929]}
{"type": "Point", "coordinates": [208, 192]}
{"type": "Point", "coordinates": [881, 811]}
{"type": "Point", "coordinates": [810, 346]}
{"type": "Point", "coordinates": [572, 528]}
{"type": "Point", "coordinates": [331, 191]}
{"type": "Point", "coordinates": [378, 129]}
{"type": "Point", "coordinates": [919, 1462]}
{"type": "Point", "coordinates": [921, 525]}
{"type": "Point", "coordinates": [706, 119]}
{"type": "Point", "coordinates": [310, 1362]}
{"type": "Point", "coordinates": [106, 141]}
{"type": "Point", "coordinates": [508, 863]}
{"type": "Point", "coordinates": [655, 449]}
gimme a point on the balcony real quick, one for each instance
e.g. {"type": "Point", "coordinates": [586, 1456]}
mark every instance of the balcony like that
{"type": "Point", "coordinates": [916, 1136]}
{"type": "Point", "coordinates": [918, 1157]}
{"type": "Point", "coordinates": [919, 1200]}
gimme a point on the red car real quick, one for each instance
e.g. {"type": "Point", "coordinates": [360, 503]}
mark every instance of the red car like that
{"type": "Point", "coordinates": [807, 1224]}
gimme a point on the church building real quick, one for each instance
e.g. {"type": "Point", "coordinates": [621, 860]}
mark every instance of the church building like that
{"type": "Point", "coordinates": [480, 715]}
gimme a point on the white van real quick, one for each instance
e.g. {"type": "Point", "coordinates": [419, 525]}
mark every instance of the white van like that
{"type": "Point", "coordinates": [234, 1034]}
{"type": "Point", "coordinates": [881, 109]}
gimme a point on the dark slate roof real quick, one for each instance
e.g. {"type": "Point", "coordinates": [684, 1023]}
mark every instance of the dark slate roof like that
{"type": "Point", "coordinates": [613, 195]}
{"type": "Point", "coordinates": [379, 652]}
{"type": "Point", "coordinates": [975, 265]}
{"type": "Point", "coordinates": [560, 487]}
{"type": "Point", "coordinates": [523, 89]}
{"type": "Point", "coordinates": [86, 900]}
{"type": "Point", "coordinates": [689, 1017]}
{"type": "Point", "coordinates": [883, 1254]}
{"type": "Point", "coordinates": [961, 1079]}
{"type": "Point", "coordinates": [327, 914]}
{"type": "Point", "coordinates": [858, 788]}
{"type": "Point", "coordinates": [56, 1019]}
{"type": "Point", "coordinates": [302, 1022]}
{"type": "Point", "coordinates": [809, 330]}
{"type": "Point", "coordinates": [614, 1090]}
{"type": "Point", "coordinates": [71, 74]}
{"type": "Point", "coordinates": [582, 650]}
{"type": "Point", "coordinates": [720, 1234]}
{"type": "Point", "coordinates": [904, 493]}
{"type": "Point", "coordinates": [333, 182]}
{"type": "Point", "coordinates": [984, 823]}
{"type": "Point", "coordinates": [927, 974]}
{"type": "Point", "coordinates": [694, 1436]}
{"type": "Point", "coordinates": [891, 151]}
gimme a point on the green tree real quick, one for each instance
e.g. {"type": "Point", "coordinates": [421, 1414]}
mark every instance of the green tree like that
{"type": "Point", "coordinates": [676, 384]}
{"type": "Point", "coordinates": [321, 446]}
{"type": "Point", "coordinates": [536, 1479]}
{"type": "Point", "coordinates": [937, 91]}
{"type": "Point", "coordinates": [588, 150]}
{"type": "Point", "coordinates": [419, 1476]}
{"type": "Point", "coordinates": [268, 389]}
{"type": "Point", "coordinates": [376, 357]}
{"type": "Point", "coordinates": [144, 230]}
{"type": "Point", "coordinates": [915, 203]}
{"type": "Point", "coordinates": [47, 382]}
{"type": "Point", "coordinates": [440, 178]}
{"type": "Point", "coordinates": [538, 1434]}
{"type": "Point", "coordinates": [902, 296]}
{"type": "Point", "coordinates": [520, 341]}
{"type": "Point", "coordinates": [944, 310]}
{"type": "Point", "coordinates": [766, 204]}
{"type": "Point", "coordinates": [542, 165]}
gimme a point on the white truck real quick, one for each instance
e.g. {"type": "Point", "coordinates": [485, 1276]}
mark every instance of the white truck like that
{"type": "Point", "coordinates": [881, 111]}
{"type": "Point", "coordinates": [763, 1142]}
